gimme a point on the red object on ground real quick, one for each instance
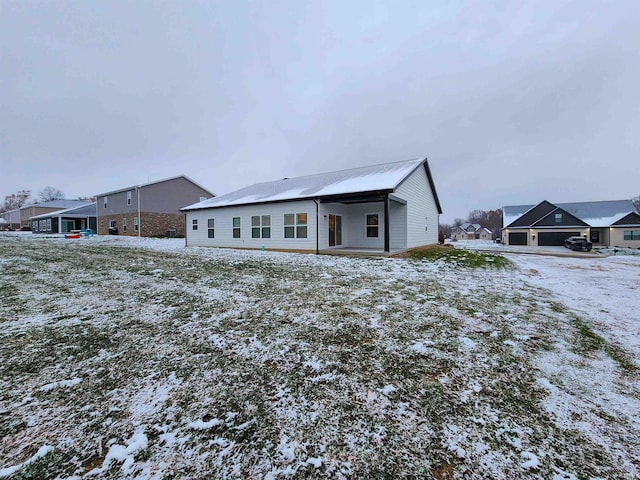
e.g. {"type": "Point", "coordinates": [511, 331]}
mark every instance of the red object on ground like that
{"type": "Point", "coordinates": [72, 235]}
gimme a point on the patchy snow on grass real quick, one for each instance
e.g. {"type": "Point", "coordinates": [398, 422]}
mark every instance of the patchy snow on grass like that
{"type": "Point", "coordinates": [9, 471]}
{"type": "Point", "coordinates": [60, 384]}
{"type": "Point", "coordinates": [140, 358]}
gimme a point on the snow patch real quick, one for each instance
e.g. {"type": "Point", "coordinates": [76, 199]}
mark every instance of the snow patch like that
{"type": "Point", "coordinates": [60, 384]}
{"type": "Point", "coordinates": [42, 451]}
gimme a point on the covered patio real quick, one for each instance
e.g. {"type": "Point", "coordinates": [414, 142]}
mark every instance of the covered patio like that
{"type": "Point", "coordinates": [373, 224]}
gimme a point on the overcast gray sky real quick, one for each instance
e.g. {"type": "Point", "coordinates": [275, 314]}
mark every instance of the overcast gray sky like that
{"type": "Point", "coordinates": [512, 102]}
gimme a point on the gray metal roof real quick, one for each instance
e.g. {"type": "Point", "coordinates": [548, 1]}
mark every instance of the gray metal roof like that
{"type": "Point", "coordinates": [133, 187]}
{"type": "Point", "coordinates": [595, 214]}
{"type": "Point", "coordinates": [511, 213]}
{"type": "Point", "coordinates": [61, 203]}
{"type": "Point", "coordinates": [85, 210]}
{"type": "Point", "coordinates": [470, 227]}
{"type": "Point", "coordinates": [382, 177]}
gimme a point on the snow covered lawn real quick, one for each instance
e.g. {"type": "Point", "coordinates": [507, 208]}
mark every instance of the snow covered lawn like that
{"type": "Point", "coordinates": [138, 358]}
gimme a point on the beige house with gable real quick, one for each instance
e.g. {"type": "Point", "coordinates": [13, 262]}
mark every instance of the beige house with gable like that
{"type": "Point", "coordinates": [614, 223]}
{"type": "Point", "coordinates": [471, 231]}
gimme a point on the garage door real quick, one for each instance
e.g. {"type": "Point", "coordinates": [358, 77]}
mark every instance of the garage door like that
{"type": "Point", "coordinates": [517, 238]}
{"type": "Point", "coordinates": [549, 239]}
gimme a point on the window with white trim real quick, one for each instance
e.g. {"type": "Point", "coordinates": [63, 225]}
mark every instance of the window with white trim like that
{"type": "Point", "coordinates": [194, 224]}
{"type": "Point", "coordinates": [558, 217]}
{"type": "Point", "coordinates": [295, 225]}
{"type": "Point", "coordinates": [105, 201]}
{"type": "Point", "coordinates": [373, 225]}
{"type": "Point", "coordinates": [112, 224]}
{"type": "Point", "coordinates": [236, 227]}
{"type": "Point", "coordinates": [124, 224]}
{"type": "Point", "coordinates": [211, 223]}
{"type": "Point", "coordinates": [136, 226]}
{"type": "Point", "coordinates": [261, 226]}
{"type": "Point", "coordinates": [129, 197]}
{"type": "Point", "coordinates": [632, 234]}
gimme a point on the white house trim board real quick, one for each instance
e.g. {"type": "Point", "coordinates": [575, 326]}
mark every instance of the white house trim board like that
{"type": "Point", "coordinates": [401, 195]}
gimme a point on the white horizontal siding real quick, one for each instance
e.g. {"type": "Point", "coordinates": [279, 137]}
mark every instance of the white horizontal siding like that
{"type": "Point", "coordinates": [422, 211]}
{"type": "Point", "coordinates": [397, 226]}
{"type": "Point", "coordinates": [327, 209]}
{"type": "Point", "coordinates": [224, 226]}
{"type": "Point", "coordinates": [354, 233]}
{"type": "Point", "coordinates": [356, 221]}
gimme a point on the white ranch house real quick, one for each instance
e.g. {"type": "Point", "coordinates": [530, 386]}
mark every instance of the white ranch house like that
{"type": "Point", "coordinates": [382, 208]}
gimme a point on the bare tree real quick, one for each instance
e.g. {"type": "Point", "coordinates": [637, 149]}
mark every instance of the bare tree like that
{"type": "Point", "coordinates": [446, 228]}
{"type": "Point", "coordinates": [50, 193]}
{"type": "Point", "coordinates": [636, 202]}
{"type": "Point", "coordinates": [491, 219]}
{"type": "Point", "coordinates": [15, 200]}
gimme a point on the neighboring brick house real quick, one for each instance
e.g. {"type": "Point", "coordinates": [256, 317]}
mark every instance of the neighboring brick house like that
{"type": "Point", "coordinates": [148, 210]}
{"type": "Point", "coordinates": [45, 207]}
{"type": "Point", "coordinates": [471, 231]}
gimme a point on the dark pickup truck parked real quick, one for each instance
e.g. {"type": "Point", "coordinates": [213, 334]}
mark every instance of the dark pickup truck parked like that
{"type": "Point", "coordinates": [578, 244]}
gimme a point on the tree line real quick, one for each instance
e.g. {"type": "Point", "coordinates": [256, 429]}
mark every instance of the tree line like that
{"type": "Point", "coordinates": [23, 197]}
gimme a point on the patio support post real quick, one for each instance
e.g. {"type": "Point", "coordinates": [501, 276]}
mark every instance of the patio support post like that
{"type": "Point", "coordinates": [386, 222]}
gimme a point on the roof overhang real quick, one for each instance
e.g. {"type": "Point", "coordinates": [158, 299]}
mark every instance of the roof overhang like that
{"type": "Point", "coordinates": [360, 197]}
{"type": "Point", "coordinates": [432, 185]}
{"type": "Point", "coordinates": [155, 182]}
{"type": "Point", "coordinates": [364, 197]}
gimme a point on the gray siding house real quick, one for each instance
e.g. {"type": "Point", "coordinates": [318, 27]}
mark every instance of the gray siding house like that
{"type": "Point", "coordinates": [607, 223]}
{"type": "Point", "coordinates": [64, 221]}
{"type": "Point", "coordinates": [36, 209]}
{"type": "Point", "coordinates": [381, 208]}
{"type": "Point", "coordinates": [11, 219]}
{"type": "Point", "coordinates": [150, 209]}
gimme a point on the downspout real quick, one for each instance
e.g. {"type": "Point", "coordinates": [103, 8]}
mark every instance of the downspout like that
{"type": "Point", "coordinates": [386, 223]}
{"type": "Point", "coordinates": [139, 219]}
{"type": "Point", "coordinates": [184, 214]}
{"type": "Point", "coordinates": [317, 227]}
